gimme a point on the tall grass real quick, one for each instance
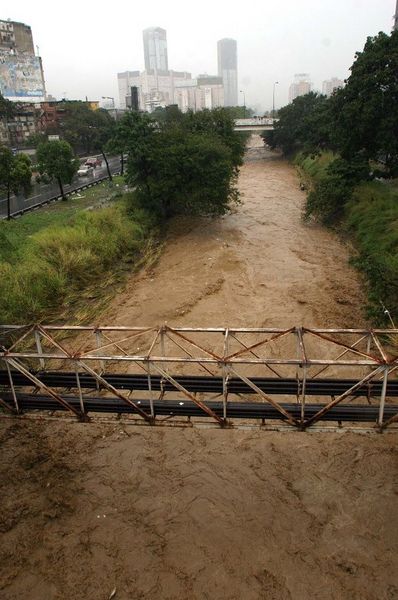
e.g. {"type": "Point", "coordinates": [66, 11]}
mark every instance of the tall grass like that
{"type": "Point", "coordinates": [372, 217]}
{"type": "Point", "coordinates": [61, 261]}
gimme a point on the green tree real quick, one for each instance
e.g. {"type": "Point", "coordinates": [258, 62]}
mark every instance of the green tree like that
{"type": "Point", "coordinates": [85, 129]}
{"type": "Point", "coordinates": [130, 127]}
{"type": "Point", "coordinates": [240, 112]}
{"type": "Point", "coordinates": [56, 160]}
{"type": "Point", "coordinates": [7, 108]}
{"type": "Point", "coordinates": [365, 111]}
{"type": "Point", "coordinates": [176, 168]}
{"type": "Point", "coordinates": [15, 174]}
{"type": "Point", "coordinates": [218, 122]}
{"type": "Point", "coordinates": [305, 124]}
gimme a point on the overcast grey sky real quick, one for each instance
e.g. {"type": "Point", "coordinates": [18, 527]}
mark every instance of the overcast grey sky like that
{"type": "Point", "coordinates": [84, 44]}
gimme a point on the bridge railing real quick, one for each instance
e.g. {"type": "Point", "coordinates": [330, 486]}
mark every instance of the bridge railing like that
{"type": "Point", "coordinates": [212, 372]}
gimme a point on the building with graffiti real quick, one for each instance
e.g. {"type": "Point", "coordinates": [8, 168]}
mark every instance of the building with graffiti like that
{"type": "Point", "coordinates": [21, 71]}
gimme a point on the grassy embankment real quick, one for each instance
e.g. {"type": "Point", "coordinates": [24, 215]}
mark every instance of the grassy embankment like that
{"type": "Point", "coordinates": [371, 218]}
{"type": "Point", "coordinates": [62, 262]}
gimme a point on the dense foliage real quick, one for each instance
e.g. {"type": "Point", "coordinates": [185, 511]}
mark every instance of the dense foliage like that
{"type": "Point", "coordinates": [15, 173]}
{"type": "Point", "coordinates": [359, 121]}
{"type": "Point", "coordinates": [302, 125]}
{"type": "Point", "coordinates": [56, 160]}
{"type": "Point", "coordinates": [341, 144]}
{"type": "Point", "coordinates": [86, 130]}
{"type": "Point", "coordinates": [183, 163]}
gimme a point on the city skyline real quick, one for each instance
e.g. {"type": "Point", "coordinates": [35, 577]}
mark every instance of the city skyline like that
{"type": "Point", "coordinates": [275, 42]}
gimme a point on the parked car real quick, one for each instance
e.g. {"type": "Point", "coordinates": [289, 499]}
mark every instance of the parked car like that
{"type": "Point", "coordinates": [85, 170]}
{"type": "Point", "coordinates": [93, 162]}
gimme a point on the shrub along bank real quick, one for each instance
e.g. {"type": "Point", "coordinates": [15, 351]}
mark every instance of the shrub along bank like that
{"type": "Point", "coordinates": [368, 211]}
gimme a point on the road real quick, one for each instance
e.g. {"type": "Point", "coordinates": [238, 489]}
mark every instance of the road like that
{"type": "Point", "coordinates": [43, 192]}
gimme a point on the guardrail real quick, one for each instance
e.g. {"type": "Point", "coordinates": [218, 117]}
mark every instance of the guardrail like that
{"type": "Point", "coordinates": [22, 211]}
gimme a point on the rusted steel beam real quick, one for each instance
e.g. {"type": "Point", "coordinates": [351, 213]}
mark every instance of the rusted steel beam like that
{"type": "Point", "coordinates": [25, 335]}
{"type": "Point", "coordinates": [5, 405]}
{"type": "Point", "coordinates": [290, 419]}
{"type": "Point", "coordinates": [379, 347]}
{"type": "Point", "coordinates": [262, 343]}
{"type": "Point", "coordinates": [343, 345]}
{"type": "Point", "coordinates": [390, 421]}
{"type": "Point", "coordinates": [184, 391]}
{"type": "Point", "coordinates": [43, 386]}
{"type": "Point", "coordinates": [114, 391]}
{"type": "Point", "coordinates": [187, 352]}
{"type": "Point", "coordinates": [300, 338]}
{"type": "Point", "coordinates": [341, 355]}
{"type": "Point", "coordinates": [254, 354]}
{"type": "Point", "coordinates": [115, 343]}
{"type": "Point", "coordinates": [198, 346]}
{"type": "Point", "coordinates": [337, 400]}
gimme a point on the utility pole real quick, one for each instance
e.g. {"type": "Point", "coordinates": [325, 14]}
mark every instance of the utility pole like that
{"type": "Point", "coordinates": [273, 99]}
{"type": "Point", "coordinates": [244, 103]}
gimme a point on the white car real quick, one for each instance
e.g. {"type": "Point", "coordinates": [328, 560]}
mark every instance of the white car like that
{"type": "Point", "coordinates": [85, 170]}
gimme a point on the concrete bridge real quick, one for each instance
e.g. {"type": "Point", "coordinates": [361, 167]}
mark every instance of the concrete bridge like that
{"type": "Point", "coordinates": [255, 124]}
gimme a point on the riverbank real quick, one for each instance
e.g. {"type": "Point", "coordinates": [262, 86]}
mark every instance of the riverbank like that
{"type": "Point", "coordinates": [368, 215]}
{"type": "Point", "coordinates": [62, 262]}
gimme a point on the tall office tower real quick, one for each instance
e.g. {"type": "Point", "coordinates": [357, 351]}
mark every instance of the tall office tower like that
{"type": "Point", "coordinates": [228, 70]}
{"type": "Point", "coordinates": [155, 50]}
{"type": "Point", "coordinates": [21, 72]}
{"type": "Point", "coordinates": [300, 87]}
{"type": "Point", "coordinates": [396, 17]}
{"type": "Point", "coordinates": [330, 85]}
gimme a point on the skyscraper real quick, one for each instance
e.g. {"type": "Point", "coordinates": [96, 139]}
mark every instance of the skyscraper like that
{"type": "Point", "coordinates": [155, 50]}
{"type": "Point", "coordinates": [396, 17]}
{"type": "Point", "coordinates": [228, 70]}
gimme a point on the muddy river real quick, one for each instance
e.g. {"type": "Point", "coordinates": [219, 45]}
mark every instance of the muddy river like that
{"type": "Point", "coordinates": [261, 266]}
{"type": "Point", "coordinates": [100, 511]}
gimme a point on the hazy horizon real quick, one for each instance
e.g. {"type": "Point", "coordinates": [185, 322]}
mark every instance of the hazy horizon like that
{"type": "Point", "coordinates": [84, 48]}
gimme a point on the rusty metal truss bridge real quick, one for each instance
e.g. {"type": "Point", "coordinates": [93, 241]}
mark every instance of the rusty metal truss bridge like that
{"type": "Point", "coordinates": [298, 376]}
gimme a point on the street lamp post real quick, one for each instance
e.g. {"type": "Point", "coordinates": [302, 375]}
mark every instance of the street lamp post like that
{"type": "Point", "coordinates": [273, 99]}
{"type": "Point", "coordinates": [244, 103]}
{"type": "Point", "coordinates": [110, 98]}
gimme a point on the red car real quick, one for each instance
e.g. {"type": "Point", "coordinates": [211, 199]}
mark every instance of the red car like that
{"type": "Point", "coordinates": [93, 162]}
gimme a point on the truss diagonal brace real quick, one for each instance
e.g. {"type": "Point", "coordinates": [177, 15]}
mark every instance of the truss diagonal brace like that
{"type": "Point", "coordinates": [114, 391]}
{"type": "Point", "coordinates": [337, 400]}
{"type": "Point", "coordinates": [14, 363]}
{"type": "Point", "coordinates": [291, 420]}
{"type": "Point", "coordinates": [184, 391]}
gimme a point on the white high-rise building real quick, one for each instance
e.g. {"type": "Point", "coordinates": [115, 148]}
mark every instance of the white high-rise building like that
{"type": "Point", "coordinates": [154, 88]}
{"type": "Point", "coordinates": [206, 91]}
{"type": "Point", "coordinates": [330, 85]}
{"type": "Point", "coordinates": [155, 50]}
{"type": "Point", "coordinates": [228, 70]}
{"type": "Point", "coordinates": [301, 86]}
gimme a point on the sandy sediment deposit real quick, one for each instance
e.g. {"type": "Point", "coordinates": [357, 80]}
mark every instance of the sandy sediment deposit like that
{"type": "Point", "coordinates": [94, 511]}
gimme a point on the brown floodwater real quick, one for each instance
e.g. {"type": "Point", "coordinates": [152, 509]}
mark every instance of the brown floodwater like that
{"type": "Point", "coordinates": [259, 266]}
